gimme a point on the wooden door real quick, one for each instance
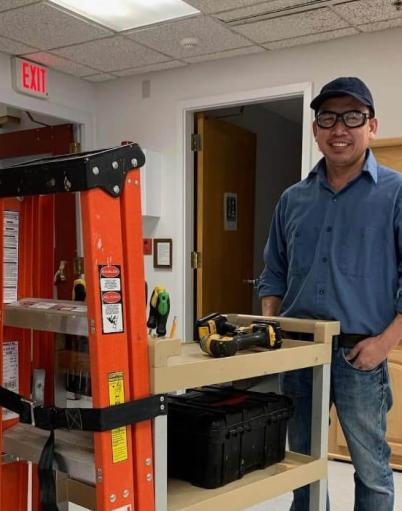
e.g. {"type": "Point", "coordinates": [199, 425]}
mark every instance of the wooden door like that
{"type": "Point", "coordinates": [225, 185]}
{"type": "Point", "coordinates": [388, 152]}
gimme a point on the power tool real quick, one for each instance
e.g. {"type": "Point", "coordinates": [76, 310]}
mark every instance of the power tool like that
{"type": "Point", "coordinates": [264, 333]}
{"type": "Point", "coordinates": [159, 307]}
{"type": "Point", "coordinates": [214, 323]}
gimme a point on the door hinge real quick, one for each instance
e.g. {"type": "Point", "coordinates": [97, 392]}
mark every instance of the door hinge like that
{"type": "Point", "coordinates": [196, 144]}
{"type": "Point", "coordinates": [195, 260]}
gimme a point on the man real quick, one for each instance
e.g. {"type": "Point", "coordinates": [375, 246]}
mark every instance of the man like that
{"type": "Point", "coordinates": [334, 252]}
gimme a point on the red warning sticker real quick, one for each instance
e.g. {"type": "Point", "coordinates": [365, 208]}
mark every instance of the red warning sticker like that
{"type": "Point", "coordinates": [109, 271]}
{"type": "Point", "coordinates": [111, 299]}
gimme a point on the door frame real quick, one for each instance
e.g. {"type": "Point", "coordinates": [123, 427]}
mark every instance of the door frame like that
{"type": "Point", "coordinates": [185, 121]}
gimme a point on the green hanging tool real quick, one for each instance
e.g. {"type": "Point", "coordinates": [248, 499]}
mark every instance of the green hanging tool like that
{"type": "Point", "coordinates": [159, 308]}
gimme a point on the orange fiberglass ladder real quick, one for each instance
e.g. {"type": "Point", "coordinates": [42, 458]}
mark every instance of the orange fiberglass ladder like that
{"type": "Point", "coordinates": [113, 319]}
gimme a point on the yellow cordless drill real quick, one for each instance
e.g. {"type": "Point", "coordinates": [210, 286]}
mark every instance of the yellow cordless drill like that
{"type": "Point", "coordinates": [264, 333]}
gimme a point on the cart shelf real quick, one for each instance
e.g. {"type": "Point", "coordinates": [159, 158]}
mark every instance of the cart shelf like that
{"type": "Point", "coordinates": [294, 471]}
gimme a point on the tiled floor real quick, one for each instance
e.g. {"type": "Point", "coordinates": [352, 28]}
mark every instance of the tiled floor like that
{"type": "Point", "coordinates": [340, 488]}
{"type": "Point", "coordinates": [341, 491]}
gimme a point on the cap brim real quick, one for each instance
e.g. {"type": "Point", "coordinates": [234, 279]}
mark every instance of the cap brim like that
{"type": "Point", "coordinates": [317, 102]}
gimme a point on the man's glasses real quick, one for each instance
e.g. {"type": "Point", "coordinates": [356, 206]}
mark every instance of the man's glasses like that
{"type": "Point", "coordinates": [351, 119]}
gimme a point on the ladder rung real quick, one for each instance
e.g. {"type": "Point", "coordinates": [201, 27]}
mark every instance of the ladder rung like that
{"type": "Point", "coordinates": [74, 450]}
{"type": "Point", "coordinates": [62, 316]}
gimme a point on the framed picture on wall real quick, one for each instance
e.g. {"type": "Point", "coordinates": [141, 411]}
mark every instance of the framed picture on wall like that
{"type": "Point", "coordinates": [163, 253]}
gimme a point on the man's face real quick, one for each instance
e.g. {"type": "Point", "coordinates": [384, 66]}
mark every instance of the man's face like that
{"type": "Point", "coordinates": [343, 146]}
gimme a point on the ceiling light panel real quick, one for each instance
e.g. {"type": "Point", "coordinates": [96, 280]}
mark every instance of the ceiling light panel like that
{"type": "Point", "coordinates": [126, 14]}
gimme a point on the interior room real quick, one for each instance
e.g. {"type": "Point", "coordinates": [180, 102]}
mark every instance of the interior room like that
{"type": "Point", "coordinates": [156, 145]}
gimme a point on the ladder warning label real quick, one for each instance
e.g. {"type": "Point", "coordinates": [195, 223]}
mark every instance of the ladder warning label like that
{"type": "Point", "coordinates": [10, 372]}
{"type": "Point", "coordinates": [111, 298]}
{"type": "Point", "coordinates": [119, 435]}
{"type": "Point", "coordinates": [10, 247]}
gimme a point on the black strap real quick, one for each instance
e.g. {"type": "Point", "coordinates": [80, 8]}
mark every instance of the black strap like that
{"type": "Point", "coordinates": [47, 482]}
{"type": "Point", "coordinates": [85, 419]}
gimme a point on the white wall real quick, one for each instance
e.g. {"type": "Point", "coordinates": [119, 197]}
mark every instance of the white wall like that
{"type": "Point", "coordinates": [70, 99]}
{"type": "Point", "coordinates": [154, 122]}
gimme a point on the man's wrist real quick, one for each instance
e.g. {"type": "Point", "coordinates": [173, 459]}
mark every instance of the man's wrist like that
{"type": "Point", "coordinates": [392, 335]}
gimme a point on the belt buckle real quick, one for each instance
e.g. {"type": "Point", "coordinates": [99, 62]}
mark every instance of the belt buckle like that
{"type": "Point", "coordinates": [32, 406]}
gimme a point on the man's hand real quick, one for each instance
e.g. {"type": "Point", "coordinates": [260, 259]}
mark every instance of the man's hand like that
{"type": "Point", "coordinates": [368, 354]}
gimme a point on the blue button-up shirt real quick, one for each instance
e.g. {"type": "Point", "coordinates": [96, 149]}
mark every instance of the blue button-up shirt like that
{"type": "Point", "coordinates": [338, 255]}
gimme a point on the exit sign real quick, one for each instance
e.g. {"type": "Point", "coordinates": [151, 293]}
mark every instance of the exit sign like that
{"type": "Point", "coordinates": [30, 78]}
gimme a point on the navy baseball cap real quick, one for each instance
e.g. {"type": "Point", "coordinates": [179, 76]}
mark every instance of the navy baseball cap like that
{"type": "Point", "coordinates": [344, 86]}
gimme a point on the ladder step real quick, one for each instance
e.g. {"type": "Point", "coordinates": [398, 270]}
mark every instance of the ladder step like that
{"type": "Point", "coordinates": [74, 453]}
{"type": "Point", "coordinates": [62, 316]}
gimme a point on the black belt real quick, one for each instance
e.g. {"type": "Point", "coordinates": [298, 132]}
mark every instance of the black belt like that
{"type": "Point", "coordinates": [348, 340]}
{"type": "Point", "coordinates": [86, 419]}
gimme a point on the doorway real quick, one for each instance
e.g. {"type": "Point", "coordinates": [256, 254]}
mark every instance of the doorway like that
{"type": "Point", "coordinates": [280, 119]}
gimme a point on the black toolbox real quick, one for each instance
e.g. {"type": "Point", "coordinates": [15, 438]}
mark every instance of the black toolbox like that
{"type": "Point", "coordinates": [217, 434]}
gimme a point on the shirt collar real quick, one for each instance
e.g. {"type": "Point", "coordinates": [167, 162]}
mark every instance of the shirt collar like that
{"type": "Point", "coordinates": [370, 166]}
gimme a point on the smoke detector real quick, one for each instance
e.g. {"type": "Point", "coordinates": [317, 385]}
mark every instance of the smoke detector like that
{"type": "Point", "coordinates": [189, 42]}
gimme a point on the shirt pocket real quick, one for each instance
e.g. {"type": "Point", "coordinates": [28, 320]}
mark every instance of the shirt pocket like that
{"type": "Point", "coordinates": [359, 252]}
{"type": "Point", "coordinates": [302, 249]}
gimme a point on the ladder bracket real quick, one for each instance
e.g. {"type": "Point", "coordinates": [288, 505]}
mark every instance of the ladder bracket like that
{"type": "Point", "coordinates": [105, 169]}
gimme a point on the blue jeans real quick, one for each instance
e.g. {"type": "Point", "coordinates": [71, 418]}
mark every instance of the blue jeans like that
{"type": "Point", "coordinates": [362, 400]}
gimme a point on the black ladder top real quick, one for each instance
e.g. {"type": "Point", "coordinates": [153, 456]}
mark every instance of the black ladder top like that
{"type": "Point", "coordinates": [104, 168]}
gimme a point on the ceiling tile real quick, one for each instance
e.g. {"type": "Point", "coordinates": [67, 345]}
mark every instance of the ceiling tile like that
{"type": "Point", "coordinates": [153, 67]}
{"type": "Point", "coordinates": [99, 77]}
{"type": "Point", "coordinates": [64, 65]}
{"type": "Point", "coordinates": [260, 9]}
{"type": "Point", "coordinates": [313, 38]}
{"type": "Point", "coordinates": [226, 54]}
{"type": "Point", "coordinates": [111, 54]}
{"type": "Point", "coordinates": [14, 48]}
{"type": "Point", "coordinates": [212, 6]}
{"type": "Point", "coordinates": [12, 4]}
{"type": "Point", "coordinates": [295, 25]}
{"type": "Point", "coordinates": [45, 27]}
{"type": "Point", "coordinates": [363, 11]}
{"type": "Point", "coordinates": [381, 25]}
{"type": "Point", "coordinates": [211, 34]}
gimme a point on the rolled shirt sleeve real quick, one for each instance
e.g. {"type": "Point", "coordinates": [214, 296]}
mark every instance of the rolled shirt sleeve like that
{"type": "Point", "coordinates": [273, 279]}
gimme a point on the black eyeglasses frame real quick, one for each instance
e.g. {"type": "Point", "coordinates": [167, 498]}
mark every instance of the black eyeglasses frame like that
{"type": "Point", "coordinates": [365, 117]}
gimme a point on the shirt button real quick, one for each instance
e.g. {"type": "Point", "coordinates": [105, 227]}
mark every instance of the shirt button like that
{"type": "Point", "coordinates": [324, 259]}
{"type": "Point", "coordinates": [321, 291]}
{"type": "Point", "coordinates": [334, 199]}
{"type": "Point", "coordinates": [329, 229]}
